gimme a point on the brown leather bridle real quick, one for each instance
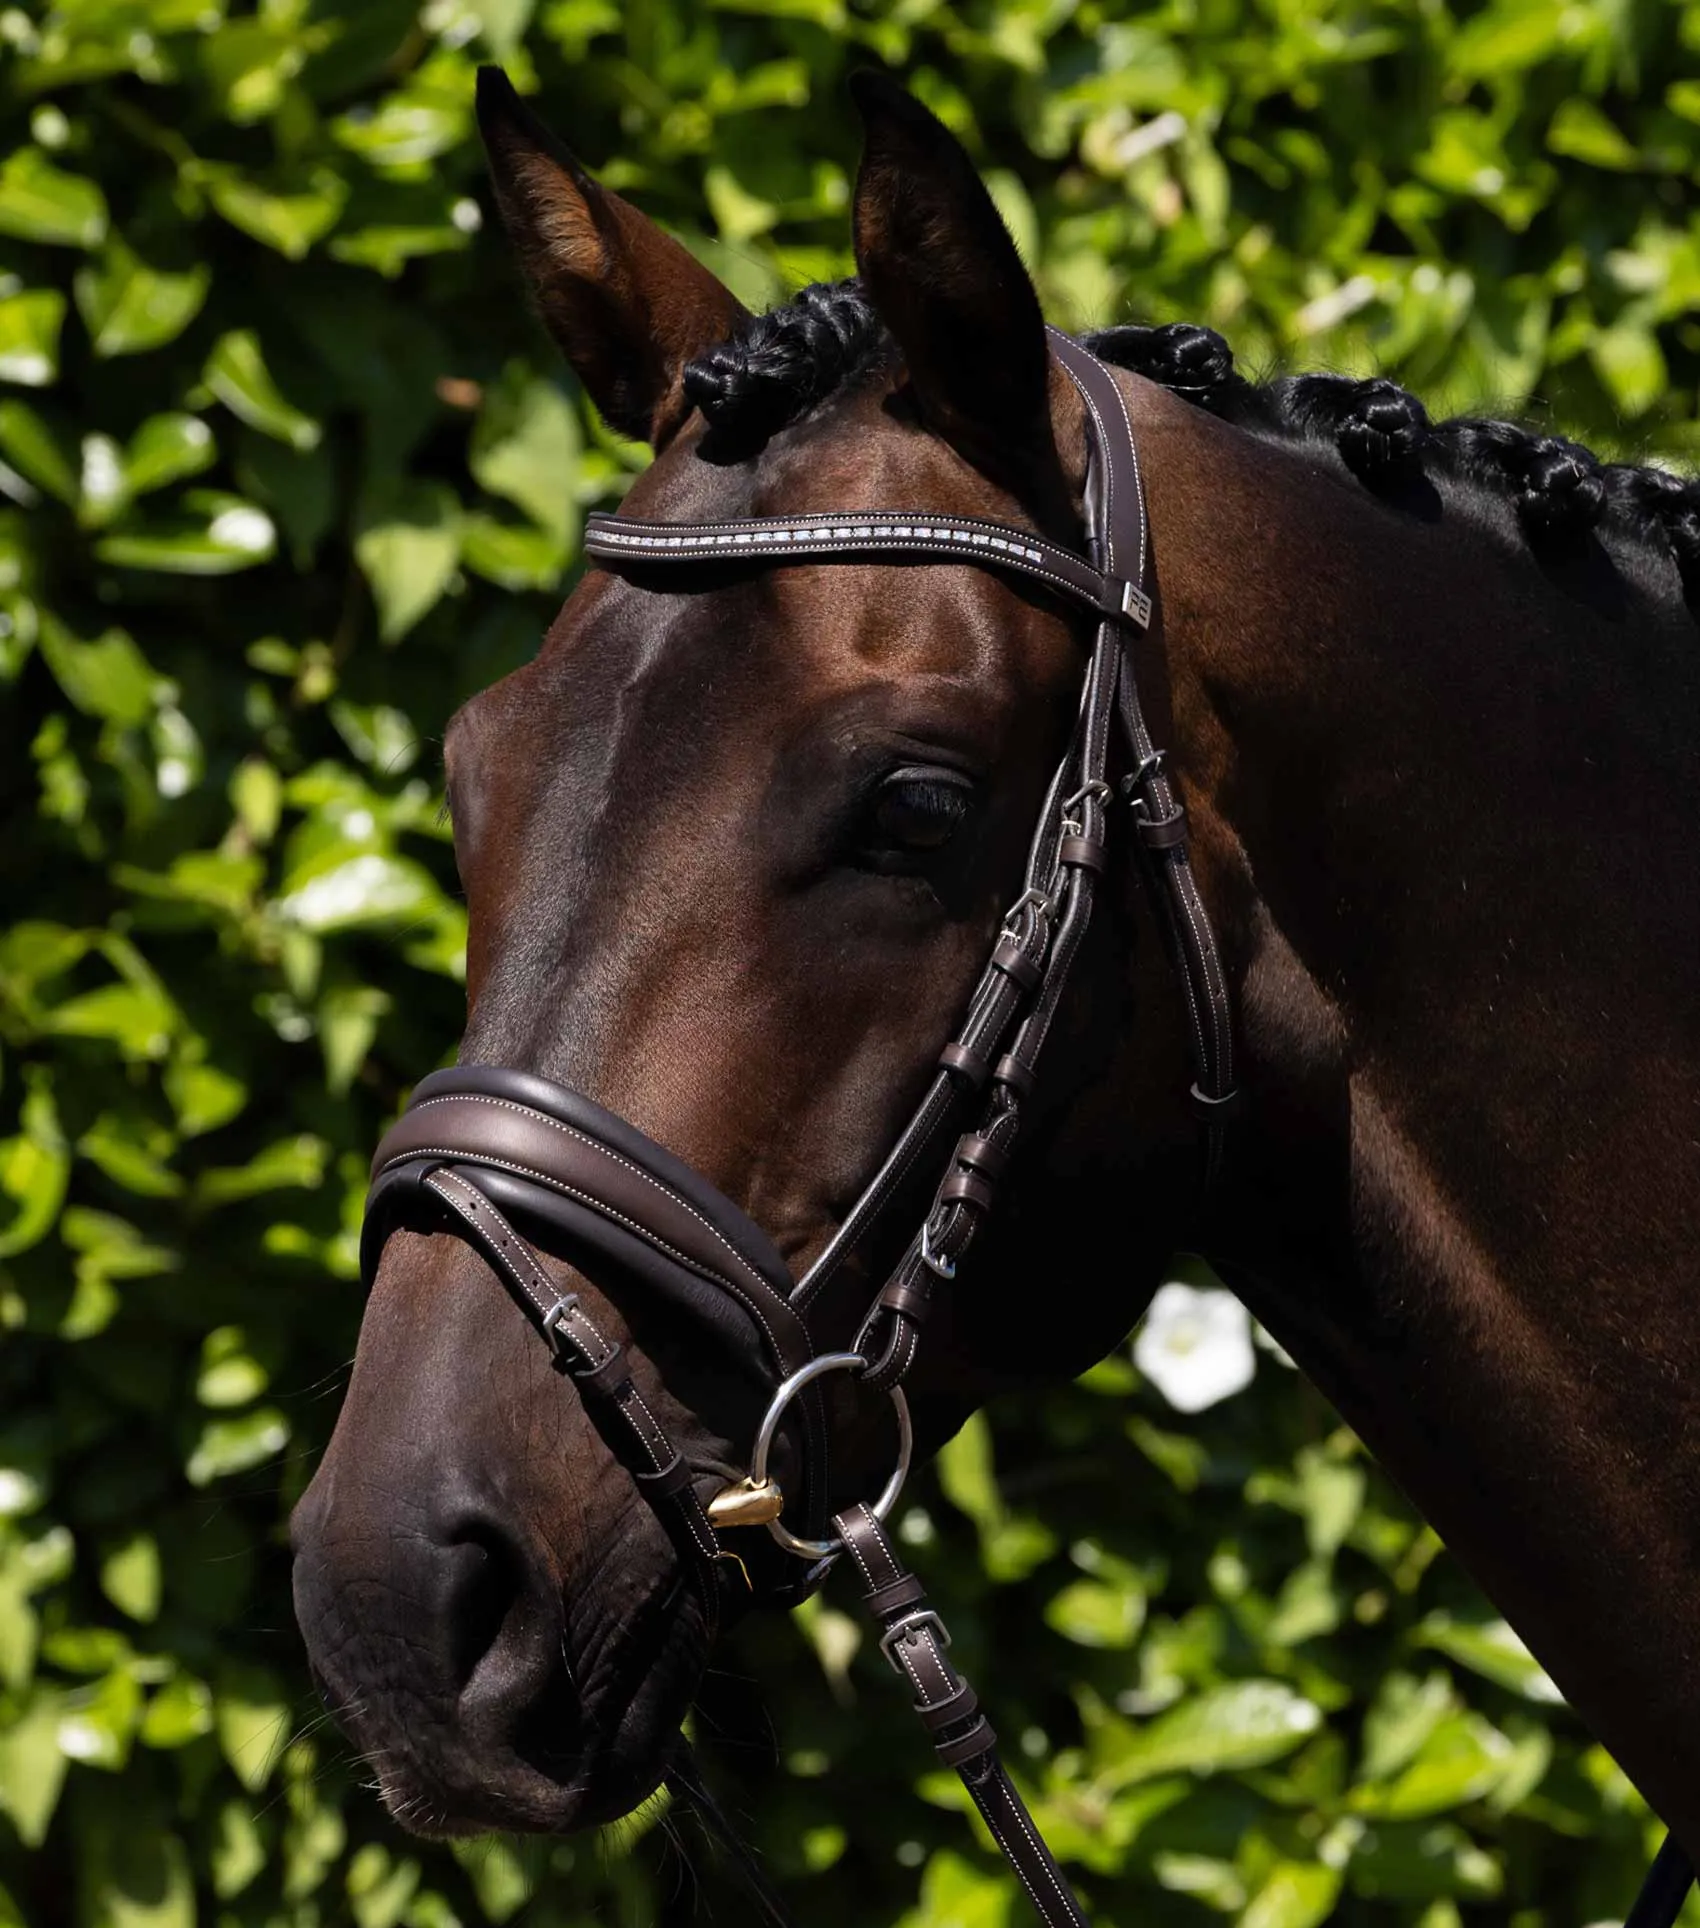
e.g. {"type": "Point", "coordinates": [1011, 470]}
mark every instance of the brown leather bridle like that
{"type": "Point", "coordinates": [494, 1146]}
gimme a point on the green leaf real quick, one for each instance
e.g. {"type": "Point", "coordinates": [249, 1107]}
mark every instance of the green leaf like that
{"type": "Point", "coordinates": [219, 535]}
{"type": "Point", "coordinates": [137, 1876]}
{"type": "Point", "coordinates": [1095, 1613]}
{"type": "Point", "coordinates": [204, 1096]}
{"type": "Point", "coordinates": [1631, 363]}
{"type": "Point", "coordinates": [32, 1769]}
{"type": "Point", "coordinates": [252, 1718]}
{"type": "Point", "coordinates": [1491, 1649]}
{"type": "Point", "coordinates": [229, 1375]}
{"type": "Point", "coordinates": [249, 65]}
{"type": "Point", "coordinates": [180, 1712]}
{"type": "Point", "coordinates": [405, 129]}
{"type": "Point", "coordinates": [129, 307]}
{"type": "Point", "coordinates": [40, 202]}
{"type": "Point", "coordinates": [1581, 131]}
{"type": "Point", "coordinates": [525, 448]}
{"type": "Point", "coordinates": [349, 1016]}
{"type": "Point", "coordinates": [165, 449]}
{"type": "Point", "coordinates": [229, 1446]}
{"type": "Point", "coordinates": [38, 451]}
{"type": "Point", "coordinates": [957, 1894]}
{"type": "Point", "coordinates": [290, 222]}
{"type": "Point", "coordinates": [367, 890]}
{"type": "Point", "coordinates": [1463, 1759]}
{"type": "Point", "coordinates": [1295, 1894]}
{"type": "Point", "coordinates": [379, 1888]}
{"type": "Point", "coordinates": [408, 545]}
{"type": "Point", "coordinates": [130, 1576]}
{"type": "Point", "coordinates": [29, 336]}
{"type": "Point", "coordinates": [236, 373]}
{"type": "Point", "coordinates": [1244, 1723]}
{"type": "Point", "coordinates": [510, 556]}
{"type": "Point", "coordinates": [1404, 1713]}
{"type": "Point", "coordinates": [239, 1849]}
{"type": "Point", "coordinates": [290, 1162]}
{"type": "Point", "coordinates": [35, 1167]}
{"type": "Point", "coordinates": [1420, 1861]}
{"type": "Point", "coordinates": [98, 1724]}
{"type": "Point", "coordinates": [107, 677]}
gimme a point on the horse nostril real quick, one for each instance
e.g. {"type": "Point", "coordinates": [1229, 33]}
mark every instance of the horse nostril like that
{"type": "Point", "coordinates": [487, 1582]}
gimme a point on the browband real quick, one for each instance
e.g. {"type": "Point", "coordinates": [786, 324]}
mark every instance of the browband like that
{"type": "Point", "coordinates": [902, 532]}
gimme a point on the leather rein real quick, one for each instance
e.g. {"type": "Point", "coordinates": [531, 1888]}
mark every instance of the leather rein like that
{"type": "Point", "coordinates": [479, 1147]}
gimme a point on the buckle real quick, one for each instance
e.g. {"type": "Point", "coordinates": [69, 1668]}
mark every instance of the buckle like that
{"type": "Point", "coordinates": [941, 1264]}
{"type": "Point", "coordinates": [912, 1623]}
{"type": "Point", "coordinates": [1029, 899]}
{"type": "Point", "coordinates": [555, 1323]}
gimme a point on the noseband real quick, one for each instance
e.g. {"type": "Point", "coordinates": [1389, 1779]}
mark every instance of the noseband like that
{"type": "Point", "coordinates": [500, 1149]}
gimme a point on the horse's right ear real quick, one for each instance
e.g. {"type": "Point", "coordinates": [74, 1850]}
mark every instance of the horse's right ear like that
{"type": "Point", "coordinates": [628, 305]}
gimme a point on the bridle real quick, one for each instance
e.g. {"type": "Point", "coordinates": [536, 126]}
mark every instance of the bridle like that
{"type": "Point", "coordinates": [494, 1146]}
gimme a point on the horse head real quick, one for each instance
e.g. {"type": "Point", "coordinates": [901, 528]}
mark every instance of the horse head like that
{"type": "Point", "coordinates": [734, 850]}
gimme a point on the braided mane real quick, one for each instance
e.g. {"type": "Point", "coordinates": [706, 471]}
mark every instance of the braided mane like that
{"type": "Point", "coordinates": [781, 365]}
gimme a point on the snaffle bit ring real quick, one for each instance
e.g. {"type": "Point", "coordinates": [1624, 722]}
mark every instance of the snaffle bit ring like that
{"type": "Point", "coordinates": [788, 1390]}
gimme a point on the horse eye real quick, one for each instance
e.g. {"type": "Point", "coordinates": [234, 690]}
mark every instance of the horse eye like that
{"type": "Point", "coordinates": [920, 810]}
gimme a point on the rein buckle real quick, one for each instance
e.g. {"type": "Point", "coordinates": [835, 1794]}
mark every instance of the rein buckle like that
{"type": "Point", "coordinates": [922, 1618]}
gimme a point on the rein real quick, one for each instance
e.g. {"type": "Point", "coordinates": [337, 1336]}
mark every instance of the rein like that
{"type": "Point", "coordinates": [490, 1146]}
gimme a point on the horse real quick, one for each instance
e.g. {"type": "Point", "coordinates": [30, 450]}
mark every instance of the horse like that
{"type": "Point", "coordinates": [735, 845]}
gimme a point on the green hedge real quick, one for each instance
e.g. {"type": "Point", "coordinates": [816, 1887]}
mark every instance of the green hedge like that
{"type": "Point", "coordinates": [287, 474]}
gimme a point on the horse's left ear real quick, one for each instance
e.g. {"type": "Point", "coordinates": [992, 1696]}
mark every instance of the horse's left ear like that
{"type": "Point", "coordinates": [940, 267]}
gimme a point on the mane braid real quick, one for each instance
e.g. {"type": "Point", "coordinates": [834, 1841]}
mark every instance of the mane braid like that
{"type": "Point", "coordinates": [780, 366]}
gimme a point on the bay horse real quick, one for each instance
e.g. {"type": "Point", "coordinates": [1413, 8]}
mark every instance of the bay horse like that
{"type": "Point", "coordinates": [735, 846]}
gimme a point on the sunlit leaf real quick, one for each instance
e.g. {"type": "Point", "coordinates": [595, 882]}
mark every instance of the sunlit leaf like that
{"type": "Point", "coordinates": [1240, 1724]}
{"type": "Point", "coordinates": [29, 336]}
{"type": "Point", "coordinates": [129, 307]}
{"type": "Point", "coordinates": [40, 201]}
{"type": "Point", "coordinates": [408, 545]}
{"type": "Point", "coordinates": [236, 373]}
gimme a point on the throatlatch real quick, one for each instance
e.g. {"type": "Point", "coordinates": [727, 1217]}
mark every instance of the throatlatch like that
{"type": "Point", "coordinates": [479, 1147]}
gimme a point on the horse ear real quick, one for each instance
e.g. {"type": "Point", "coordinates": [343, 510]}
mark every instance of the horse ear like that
{"type": "Point", "coordinates": [627, 304]}
{"type": "Point", "coordinates": [940, 267]}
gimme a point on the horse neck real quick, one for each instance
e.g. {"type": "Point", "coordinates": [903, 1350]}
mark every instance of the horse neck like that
{"type": "Point", "coordinates": [1443, 812]}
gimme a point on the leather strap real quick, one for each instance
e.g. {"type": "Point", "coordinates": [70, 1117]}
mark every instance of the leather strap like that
{"type": "Point", "coordinates": [597, 1365]}
{"type": "Point", "coordinates": [866, 532]}
{"type": "Point", "coordinates": [914, 1640]}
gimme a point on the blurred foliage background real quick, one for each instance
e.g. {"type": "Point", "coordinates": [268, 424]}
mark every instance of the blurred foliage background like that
{"type": "Point", "coordinates": [287, 472]}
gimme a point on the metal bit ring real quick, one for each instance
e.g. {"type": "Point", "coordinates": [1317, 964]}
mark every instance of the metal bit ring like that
{"type": "Point", "coordinates": [788, 1390]}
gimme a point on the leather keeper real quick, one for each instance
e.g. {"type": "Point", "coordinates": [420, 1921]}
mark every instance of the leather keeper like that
{"type": "Point", "coordinates": [980, 1739]}
{"type": "Point", "coordinates": [981, 1155]}
{"type": "Point", "coordinates": [1166, 833]}
{"type": "Point", "coordinates": [1085, 853]}
{"type": "Point", "coordinates": [1009, 1070]}
{"type": "Point", "coordinates": [911, 1298]}
{"type": "Point", "coordinates": [887, 1602]}
{"type": "Point", "coordinates": [605, 1381]}
{"type": "Point", "coordinates": [1016, 965]}
{"type": "Point", "coordinates": [960, 1706]}
{"type": "Point", "coordinates": [968, 1188]}
{"type": "Point", "coordinates": [671, 1479]}
{"type": "Point", "coordinates": [970, 1068]}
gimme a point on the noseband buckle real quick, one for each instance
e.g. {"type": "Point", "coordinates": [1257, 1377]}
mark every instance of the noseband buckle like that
{"type": "Point", "coordinates": [555, 1323]}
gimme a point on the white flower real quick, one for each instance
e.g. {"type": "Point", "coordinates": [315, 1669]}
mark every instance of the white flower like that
{"type": "Point", "coordinates": [1195, 1346]}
